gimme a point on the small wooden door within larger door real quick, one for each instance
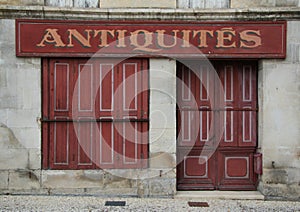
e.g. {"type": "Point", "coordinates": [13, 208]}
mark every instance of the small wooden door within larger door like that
{"type": "Point", "coordinates": [95, 113]}
{"type": "Point", "coordinates": [206, 161]}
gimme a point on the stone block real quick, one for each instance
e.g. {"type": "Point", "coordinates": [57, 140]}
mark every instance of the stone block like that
{"type": "Point", "coordinates": [158, 96]}
{"type": "Point", "coordinates": [274, 176]}
{"type": "Point", "coordinates": [160, 173]}
{"type": "Point", "coordinates": [35, 158]}
{"type": "Point", "coordinates": [293, 52]}
{"type": "Point", "coordinates": [116, 181]}
{"type": "Point", "coordinates": [217, 3]}
{"type": "Point", "coordinates": [3, 180]}
{"type": "Point", "coordinates": [13, 159]}
{"type": "Point", "coordinates": [162, 160]}
{"type": "Point", "coordinates": [249, 4]}
{"type": "Point", "coordinates": [23, 118]}
{"type": "Point", "coordinates": [197, 3]}
{"type": "Point", "coordinates": [162, 187]}
{"type": "Point", "coordinates": [3, 116]}
{"type": "Point", "coordinates": [22, 2]}
{"type": "Point", "coordinates": [28, 137]}
{"type": "Point", "coordinates": [12, 153]}
{"type": "Point", "coordinates": [3, 79]}
{"type": "Point", "coordinates": [162, 140]}
{"type": "Point", "coordinates": [280, 191]}
{"type": "Point", "coordinates": [86, 3]}
{"type": "Point", "coordinates": [293, 175]}
{"type": "Point", "coordinates": [201, 4]}
{"type": "Point", "coordinates": [59, 3]}
{"type": "Point", "coordinates": [293, 28]}
{"type": "Point", "coordinates": [71, 179]}
{"type": "Point", "coordinates": [163, 82]}
{"type": "Point", "coordinates": [163, 116]}
{"type": "Point", "coordinates": [137, 4]}
{"type": "Point", "coordinates": [183, 3]}
{"type": "Point", "coordinates": [286, 3]}
{"type": "Point", "coordinates": [24, 180]}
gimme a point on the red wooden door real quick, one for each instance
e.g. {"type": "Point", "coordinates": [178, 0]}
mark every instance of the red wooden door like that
{"type": "Point", "coordinates": [95, 113]}
{"type": "Point", "coordinates": [230, 165]}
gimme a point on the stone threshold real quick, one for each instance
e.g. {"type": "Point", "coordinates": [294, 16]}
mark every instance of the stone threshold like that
{"type": "Point", "coordinates": [228, 195]}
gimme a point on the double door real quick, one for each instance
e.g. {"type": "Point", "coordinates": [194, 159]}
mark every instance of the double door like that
{"type": "Point", "coordinates": [217, 125]}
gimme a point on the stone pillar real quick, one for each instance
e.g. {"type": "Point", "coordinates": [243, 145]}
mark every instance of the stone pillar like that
{"type": "Point", "coordinates": [279, 120]}
{"type": "Point", "coordinates": [162, 142]}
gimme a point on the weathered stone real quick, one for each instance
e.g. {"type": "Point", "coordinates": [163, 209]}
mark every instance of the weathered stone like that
{"type": "Point", "coordinates": [280, 191]}
{"type": "Point", "coordinates": [12, 153]}
{"type": "Point", "coordinates": [111, 181]}
{"type": "Point", "coordinates": [162, 140]}
{"type": "Point", "coordinates": [53, 179]}
{"type": "Point", "coordinates": [24, 180]}
{"type": "Point", "coordinates": [162, 113]}
{"type": "Point", "coordinates": [3, 180]}
{"type": "Point", "coordinates": [249, 4]}
{"type": "Point", "coordinates": [59, 3]}
{"type": "Point", "coordinates": [22, 2]}
{"type": "Point", "coordinates": [274, 176]}
{"type": "Point", "coordinates": [162, 187]}
{"type": "Point", "coordinates": [35, 159]}
{"type": "Point", "coordinates": [162, 116]}
{"type": "Point", "coordinates": [162, 160]}
{"type": "Point", "coordinates": [86, 3]}
{"type": "Point", "coordinates": [183, 3]}
{"type": "Point", "coordinates": [138, 3]}
{"type": "Point", "coordinates": [217, 3]}
{"type": "Point", "coordinates": [287, 3]}
{"type": "Point", "coordinates": [23, 118]}
{"type": "Point", "coordinates": [203, 4]}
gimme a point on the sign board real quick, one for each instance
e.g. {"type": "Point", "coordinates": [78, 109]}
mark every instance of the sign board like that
{"type": "Point", "coordinates": [42, 38]}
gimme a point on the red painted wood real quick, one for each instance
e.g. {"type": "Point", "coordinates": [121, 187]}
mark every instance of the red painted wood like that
{"type": "Point", "coordinates": [231, 167]}
{"type": "Point", "coordinates": [83, 38]}
{"type": "Point", "coordinates": [72, 89]}
{"type": "Point", "coordinates": [45, 112]}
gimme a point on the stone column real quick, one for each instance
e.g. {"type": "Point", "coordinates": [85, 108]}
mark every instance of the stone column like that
{"type": "Point", "coordinates": [162, 142]}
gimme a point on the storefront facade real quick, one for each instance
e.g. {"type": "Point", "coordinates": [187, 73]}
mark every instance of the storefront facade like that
{"type": "Point", "coordinates": [147, 102]}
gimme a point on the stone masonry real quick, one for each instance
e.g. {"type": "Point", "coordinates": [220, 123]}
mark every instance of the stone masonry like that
{"type": "Point", "coordinates": [20, 104]}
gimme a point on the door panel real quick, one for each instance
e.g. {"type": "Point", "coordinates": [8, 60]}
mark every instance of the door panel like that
{"type": "Point", "coordinates": [231, 165]}
{"type": "Point", "coordinates": [236, 170]}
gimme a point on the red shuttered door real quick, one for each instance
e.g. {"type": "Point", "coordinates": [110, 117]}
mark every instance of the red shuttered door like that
{"type": "Point", "coordinates": [230, 165]}
{"type": "Point", "coordinates": [95, 113]}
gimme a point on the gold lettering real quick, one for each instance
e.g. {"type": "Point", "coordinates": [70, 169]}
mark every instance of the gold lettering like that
{"type": "Point", "coordinates": [186, 38]}
{"type": "Point", "coordinates": [225, 34]}
{"type": "Point", "coordinates": [203, 37]}
{"type": "Point", "coordinates": [121, 36]}
{"type": "Point", "coordinates": [250, 37]}
{"type": "Point", "coordinates": [82, 40]}
{"type": "Point", "coordinates": [51, 37]}
{"type": "Point", "coordinates": [161, 38]}
{"type": "Point", "coordinates": [103, 36]}
{"type": "Point", "coordinates": [134, 39]}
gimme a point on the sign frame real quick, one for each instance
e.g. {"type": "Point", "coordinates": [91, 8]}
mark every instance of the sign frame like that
{"type": "Point", "coordinates": [272, 34]}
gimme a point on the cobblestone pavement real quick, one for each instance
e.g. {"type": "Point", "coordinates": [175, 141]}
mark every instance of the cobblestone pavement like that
{"type": "Point", "coordinates": [93, 203]}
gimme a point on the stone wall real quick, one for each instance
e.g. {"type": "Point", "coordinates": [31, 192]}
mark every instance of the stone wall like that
{"type": "Point", "coordinates": [279, 120]}
{"type": "Point", "coordinates": [20, 133]}
{"type": "Point", "coordinates": [20, 106]}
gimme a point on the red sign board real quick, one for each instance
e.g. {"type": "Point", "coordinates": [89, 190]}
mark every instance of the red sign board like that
{"type": "Point", "coordinates": [172, 39]}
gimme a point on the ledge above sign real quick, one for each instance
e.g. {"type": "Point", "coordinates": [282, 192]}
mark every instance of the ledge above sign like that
{"type": "Point", "coordinates": [42, 38]}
